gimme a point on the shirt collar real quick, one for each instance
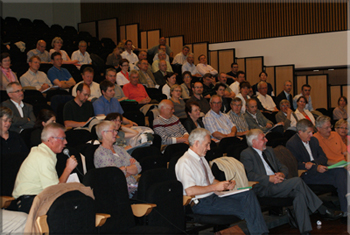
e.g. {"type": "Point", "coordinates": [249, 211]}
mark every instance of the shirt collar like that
{"type": "Point", "coordinates": [219, 115]}
{"type": "Point", "coordinates": [258, 151]}
{"type": "Point", "coordinates": [193, 154]}
{"type": "Point", "coordinates": [32, 73]}
{"type": "Point", "coordinates": [15, 103]}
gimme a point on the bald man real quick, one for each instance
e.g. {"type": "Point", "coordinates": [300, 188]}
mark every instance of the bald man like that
{"type": "Point", "coordinates": [40, 52]}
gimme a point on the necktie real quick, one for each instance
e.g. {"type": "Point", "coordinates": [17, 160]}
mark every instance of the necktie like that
{"type": "Point", "coordinates": [268, 162]}
{"type": "Point", "coordinates": [205, 171]}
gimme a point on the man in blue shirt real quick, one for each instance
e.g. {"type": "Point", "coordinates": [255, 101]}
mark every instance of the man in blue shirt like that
{"type": "Point", "coordinates": [107, 103]}
{"type": "Point", "coordinates": [59, 76]}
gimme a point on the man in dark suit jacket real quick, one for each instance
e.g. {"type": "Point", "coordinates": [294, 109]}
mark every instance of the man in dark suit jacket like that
{"type": "Point", "coordinates": [23, 116]}
{"type": "Point", "coordinates": [159, 75]}
{"type": "Point", "coordinates": [310, 156]}
{"type": "Point", "coordinates": [262, 166]}
{"type": "Point", "coordinates": [285, 95]}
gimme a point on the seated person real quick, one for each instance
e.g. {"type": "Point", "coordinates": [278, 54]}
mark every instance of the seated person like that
{"type": "Point", "coordinates": [170, 81]}
{"type": "Point", "coordinates": [88, 76]}
{"type": "Point", "coordinates": [237, 117]}
{"type": "Point", "coordinates": [193, 171]}
{"type": "Point", "coordinates": [240, 78]}
{"type": "Point", "coordinates": [265, 99]}
{"type": "Point", "coordinates": [152, 51]}
{"type": "Point", "coordinates": [146, 77]}
{"type": "Point", "coordinates": [111, 75]}
{"type": "Point", "coordinates": [7, 75]}
{"type": "Point", "coordinates": [193, 120]}
{"type": "Point", "coordinates": [129, 54]}
{"type": "Point", "coordinates": [305, 91]}
{"type": "Point", "coordinates": [35, 78]}
{"type": "Point", "coordinates": [23, 116]}
{"type": "Point", "coordinates": [38, 170]}
{"type": "Point", "coordinates": [244, 88]}
{"type": "Point", "coordinates": [301, 112]}
{"type": "Point", "coordinates": [123, 75]}
{"type": "Point", "coordinates": [190, 66]}
{"type": "Point", "coordinates": [11, 142]}
{"type": "Point", "coordinates": [59, 76]}
{"type": "Point", "coordinates": [262, 165]}
{"type": "Point", "coordinates": [217, 123]}
{"type": "Point", "coordinates": [285, 94]}
{"type": "Point", "coordinates": [310, 156]}
{"type": "Point", "coordinates": [342, 128]}
{"type": "Point", "coordinates": [228, 92]}
{"type": "Point", "coordinates": [179, 104]}
{"type": "Point", "coordinates": [168, 126]}
{"type": "Point", "coordinates": [155, 65]}
{"type": "Point", "coordinates": [44, 118]}
{"type": "Point", "coordinates": [56, 44]}
{"type": "Point", "coordinates": [233, 73]}
{"type": "Point", "coordinates": [330, 142]}
{"type": "Point", "coordinates": [142, 56]}
{"type": "Point", "coordinates": [197, 97]}
{"type": "Point", "coordinates": [255, 119]}
{"type": "Point", "coordinates": [340, 112]}
{"type": "Point", "coordinates": [81, 55]}
{"type": "Point", "coordinates": [203, 67]}
{"type": "Point", "coordinates": [134, 90]}
{"type": "Point", "coordinates": [109, 154]}
{"type": "Point", "coordinates": [182, 56]}
{"type": "Point", "coordinates": [161, 48]}
{"type": "Point", "coordinates": [160, 74]}
{"type": "Point", "coordinates": [208, 85]}
{"type": "Point", "coordinates": [40, 52]}
{"type": "Point", "coordinates": [186, 85]}
{"type": "Point", "coordinates": [107, 103]}
{"type": "Point", "coordinates": [78, 111]}
{"type": "Point", "coordinates": [220, 91]}
{"type": "Point", "coordinates": [113, 58]}
{"type": "Point", "coordinates": [287, 116]}
{"type": "Point", "coordinates": [263, 78]}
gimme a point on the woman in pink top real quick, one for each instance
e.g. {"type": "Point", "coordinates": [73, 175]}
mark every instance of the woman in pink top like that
{"type": "Point", "coordinates": [341, 127]}
{"type": "Point", "coordinates": [7, 75]}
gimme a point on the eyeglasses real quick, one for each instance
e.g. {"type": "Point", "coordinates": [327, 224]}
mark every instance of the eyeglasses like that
{"type": "Point", "coordinates": [216, 102]}
{"type": "Point", "coordinates": [113, 131]}
{"type": "Point", "coordinates": [60, 138]}
{"type": "Point", "coordinates": [18, 91]}
{"type": "Point", "coordinates": [343, 128]}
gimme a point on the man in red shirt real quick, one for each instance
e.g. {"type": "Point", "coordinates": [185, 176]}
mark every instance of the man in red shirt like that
{"type": "Point", "coordinates": [134, 90]}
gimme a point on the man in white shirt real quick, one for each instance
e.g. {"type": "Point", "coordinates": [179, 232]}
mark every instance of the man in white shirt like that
{"type": "Point", "coordinates": [190, 66]}
{"type": "Point", "coordinates": [155, 65]}
{"type": "Point", "coordinates": [129, 54]}
{"type": "Point", "coordinates": [266, 100]}
{"type": "Point", "coordinates": [35, 78]}
{"type": "Point", "coordinates": [81, 55]}
{"type": "Point", "coordinates": [240, 78]}
{"type": "Point", "coordinates": [193, 171]}
{"type": "Point", "coordinates": [182, 56]}
{"type": "Point", "coordinates": [88, 76]}
{"type": "Point", "coordinates": [204, 68]}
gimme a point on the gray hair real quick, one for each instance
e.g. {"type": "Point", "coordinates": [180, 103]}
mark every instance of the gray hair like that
{"type": "Point", "coordinates": [133, 72]}
{"type": "Point", "coordinates": [81, 42]}
{"type": "Point", "coordinates": [161, 52]}
{"type": "Point", "coordinates": [340, 122]}
{"type": "Point", "coordinates": [252, 135]}
{"type": "Point", "coordinates": [197, 134]}
{"type": "Point", "coordinates": [284, 101]}
{"type": "Point", "coordinates": [261, 83]}
{"type": "Point", "coordinates": [5, 112]}
{"type": "Point", "coordinates": [215, 96]}
{"type": "Point", "coordinates": [50, 131]}
{"type": "Point", "coordinates": [303, 124]}
{"type": "Point", "coordinates": [321, 120]}
{"type": "Point", "coordinates": [9, 87]}
{"type": "Point", "coordinates": [103, 126]}
{"type": "Point", "coordinates": [162, 104]}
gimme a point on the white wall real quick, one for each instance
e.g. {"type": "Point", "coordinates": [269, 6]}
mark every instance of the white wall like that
{"type": "Point", "coordinates": [312, 50]}
{"type": "Point", "coordinates": [50, 11]}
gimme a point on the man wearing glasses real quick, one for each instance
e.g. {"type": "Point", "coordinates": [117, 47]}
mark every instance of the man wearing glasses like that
{"type": "Point", "coordinates": [23, 116]}
{"type": "Point", "coordinates": [38, 170]}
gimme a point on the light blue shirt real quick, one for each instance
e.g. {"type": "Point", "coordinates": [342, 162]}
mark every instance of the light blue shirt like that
{"type": "Point", "coordinates": [218, 122]}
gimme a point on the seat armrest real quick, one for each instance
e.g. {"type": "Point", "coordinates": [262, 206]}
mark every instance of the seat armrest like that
{"type": "Point", "coordinates": [140, 210]}
{"type": "Point", "coordinates": [300, 172]}
{"type": "Point", "coordinates": [187, 200]}
{"type": "Point", "coordinates": [252, 183]}
{"type": "Point", "coordinates": [6, 201]}
{"type": "Point", "coordinates": [41, 221]}
{"type": "Point", "coordinates": [101, 219]}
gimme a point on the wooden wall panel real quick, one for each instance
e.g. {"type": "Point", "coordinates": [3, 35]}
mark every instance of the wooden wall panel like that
{"type": "Point", "coordinates": [88, 27]}
{"type": "Point", "coordinates": [226, 58]}
{"type": "Point", "coordinates": [335, 94]}
{"type": "Point", "coordinates": [132, 33]}
{"type": "Point", "coordinates": [191, 47]}
{"type": "Point", "coordinates": [122, 31]}
{"type": "Point", "coordinates": [176, 44]}
{"type": "Point", "coordinates": [213, 59]}
{"type": "Point", "coordinates": [346, 90]}
{"type": "Point", "coordinates": [270, 70]}
{"type": "Point", "coordinates": [319, 91]}
{"type": "Point", "coordinates": [108, 29]}
{"type": "Point", "coordinates": [198, 49]}
{"type": "Point", "coordinates": [283, 73]}
{"type": "Point", "coordinates": [167, 41]}
{"type": "Point", "coordinates": [153, 38]}
{"type": "Point", "coordinates": [143, 36]}
{"type": "Point", "coordinates": [241, 65]}
{"type": "Point", "coordinates": [253, 67]}
{"type": "Point", "coordinates": [301, 80]}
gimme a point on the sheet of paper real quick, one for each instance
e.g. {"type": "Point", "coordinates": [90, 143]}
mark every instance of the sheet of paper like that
{"type": "Point", "coordinates": [73, 178]}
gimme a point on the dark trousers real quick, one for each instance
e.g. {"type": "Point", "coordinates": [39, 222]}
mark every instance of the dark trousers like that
{"type": "Point", "coordinates": [24, 203]}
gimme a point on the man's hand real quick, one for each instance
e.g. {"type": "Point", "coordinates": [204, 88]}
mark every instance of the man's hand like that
{"type": "Point", "coordinates": [123, 98]}
{"type": "Point", "coordinates": [71, 163]}
{"type": "Point", "coordinates": [269, 125]}
{"type": "Point", "coordinates": [308, 165]}
{"type": "Point", "coordinates": [232, 184]}
{"type": "Point", "coordinates": [221, 186]}
{"type": "Point", "coordinates": [289, 112]}
{"type": "Point", "coordinates": [132, 161]}
{"type": "Point", "coordinates": [322, 169]}
{"type": "Point", "coordinates": [276, 178]}
{"type": "Point", "coordinates": [183, 139]}
{"type": "Point", "coordinates": [44, 86]}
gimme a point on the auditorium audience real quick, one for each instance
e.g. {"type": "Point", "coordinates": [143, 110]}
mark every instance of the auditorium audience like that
{"type": "Point", "coordinates": [232, 75]}
{"type": "Point", "coordinates": [44, 117]}
{"type": "Point", "coordinates": [154, 50]}
{"type": "Point", "coordinates": [129, 54]}
{"type": "Point", "coordinates": [265, 99]}
{"type": "Point", "coordinates": [340, 112]}
{"type": "Point", "coordinates": [342, 128]}
{"type": "Point", "coordinates": [186, 85]}
{"type": "Point", "coordinates": [305, 91]}
{"type": "Point", "coordinates": [146, 77]}
{"type": "Point", "coordinates": [237, 117]}
{"type": "Point", "coordinates": [161, 48]}
{"type": "Point", "coordinates": [179, 104]}
{"type": "Point", "coordinates": [159, 75]}
{"type": "Point", "coordinates": [7, 75]}
{"type": "Point", "coordinates": [81, 55]}
{"type": "Point", "coordinates": [88, 76]}
{"type": "Point", "coordinates": [285, 94]}
{"type": "Point", "coordinates": [168, 126]}
{"type": "Point", "coordinates": [23, 116]}
{"type": "Point", "coordinates": [56, 44]}
{"type": "Point", "coordinates": [111, 75]}
{"type": "Point", "coordinates": [113, 58]}
{"type": "Point", "coordinates": [286, 115]}
{"type": "Point", "coordinates": [197, 97]}
{"type": "Point", "coordinates": [59, 76]}
{"type": "Point", "coordinates": [181, 57]}
{"type": "Point", "coordinates": [11, 142]}
{"type": "Point", "coordinates": [263, 78]}
{"type": "Point", "coordinates": [123, 75]}
{"type": "Point", "coordinates": [244, 89]}
{"type": "Point", "coordinates": [190, 66]}
{"type": "Point", "coordinates": [134, 90]}
{"type": "Point", "coordinates": [193, 120]}
{"type": "Point", "coordinates": [170, 81]}
{"type": "Point", "coordinates": [203, 67]}
{"type": "Point", "coordinates": [217, 123]}
{"type": "Point", "coordinates": [301, 112]}
{"type": "Point", "coordinates": [240, 78]}
{"type": "Point", "coordinates": [208, 85]}
{"type": "Point", "coordinates": [155, 65]}
{"type": "Point", "coordinates": [219, 88]}
{"type": "Point", "coordinates": [255, 119]}
{"type": "Point", "coordinates": [40, 52]}
{"type": "Point", "coordinates": [110, 154]}
{"type": "Point", "coordinates": [228, 92]}
{"type": "Point", "coordinates": [35, 78]}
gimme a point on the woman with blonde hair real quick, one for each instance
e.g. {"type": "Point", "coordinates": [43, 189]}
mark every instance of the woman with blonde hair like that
{"type": "Point", "coordinates": [342, 128]}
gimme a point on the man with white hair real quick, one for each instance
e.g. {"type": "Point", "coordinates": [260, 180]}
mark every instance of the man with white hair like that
{"type": "Point", "coordinates": [38, 170]}
{"type": "Point", "coordinates": [81, 55]}
{"type": "Point", "coordinates": [266, 100]}
{"type": "Point", "coordinates": [193, 171]}
{"type": "Point", "coordinates": [40, 52]}
{"type": "Point", "coordinates": [168, 126]}
{"type": "Point", "coordinates": [262, 165]}
{"type": "Point", "coordinates": [161, 56]}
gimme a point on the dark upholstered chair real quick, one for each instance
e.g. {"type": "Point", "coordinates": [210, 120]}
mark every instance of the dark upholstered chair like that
{"type": "Point", "coordinates": [77, 137]}
{"type": "Point", "coordinates": [175, 149]}
{"type": "Point", "coordinates": [149, 157]}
